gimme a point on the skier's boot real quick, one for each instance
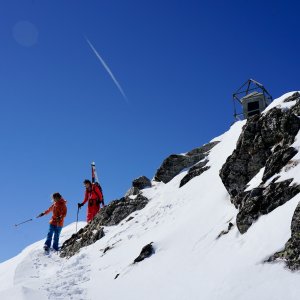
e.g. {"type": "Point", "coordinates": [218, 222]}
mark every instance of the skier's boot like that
{"type": "Point", "coordinates": [46, 248]}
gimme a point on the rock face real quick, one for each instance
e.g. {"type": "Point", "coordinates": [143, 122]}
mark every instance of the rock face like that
{"type": "Point", "coordinates": [175, 163]}
{"type": "Point", "coordinates": [112, 214]}
{"type": "Point", "coordinates": [141, 182]}
{"type": "Point", "coordinates": [194, 171]}
{"type": "Point", "coordinates": [138, 185]}
{"type": "Point", "coordinates": [279, 158]}
{"type": "Point", "coordinates": [291, 252]}
{"type": "Point", "coordinates": [84, 237]}
{"type": "Point", "coordinates": [118, 210]}
{"type": "Point", "coordinates": [262, 200]}
{"type": "Point", "coordinates": [265, 142]}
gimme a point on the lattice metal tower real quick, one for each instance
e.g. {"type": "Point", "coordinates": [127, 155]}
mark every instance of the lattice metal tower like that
{"type": "Point", "coordinates": [252, 98]}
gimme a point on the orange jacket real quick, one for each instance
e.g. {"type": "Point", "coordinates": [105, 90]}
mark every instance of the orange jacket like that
{"type": "Point", "coordinates": [59, 210]}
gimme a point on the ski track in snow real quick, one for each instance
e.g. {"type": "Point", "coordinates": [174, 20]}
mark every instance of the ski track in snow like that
{"type": "Point", "coordinates": [63, 278]}
{"type": "Point", "coordinates": [56, 277]}
{"type": "Point", "coordinates": [66, 284]}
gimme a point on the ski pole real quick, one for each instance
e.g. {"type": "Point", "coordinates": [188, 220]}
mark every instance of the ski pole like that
{"type": "Point", "coordinates": [16, 225]}
{"type": "Point", "coordinates": [77, 218]}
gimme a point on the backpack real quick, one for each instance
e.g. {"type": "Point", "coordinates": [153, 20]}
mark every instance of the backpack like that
{"type": "Point", "coordinates": [100, 189]}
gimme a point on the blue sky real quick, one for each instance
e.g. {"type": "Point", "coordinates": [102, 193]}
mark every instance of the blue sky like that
{"type": "Point", "coordinates": [178, 63]}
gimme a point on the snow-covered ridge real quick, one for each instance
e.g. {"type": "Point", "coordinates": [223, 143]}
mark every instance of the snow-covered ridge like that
{"type": "Point", "coordinates": [279, 102]}
{"type": "Point", "coordinates": [189, 261]}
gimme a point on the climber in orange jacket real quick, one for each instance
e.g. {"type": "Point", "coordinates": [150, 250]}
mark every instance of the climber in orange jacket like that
{"type": "Point", "coordinates": [94, 197]}
{"type": "Point", "coordinates": [59, 210]}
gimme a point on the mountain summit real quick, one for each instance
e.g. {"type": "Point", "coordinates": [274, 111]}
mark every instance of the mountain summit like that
{"type": "Point", "coordinates": [221, 221]}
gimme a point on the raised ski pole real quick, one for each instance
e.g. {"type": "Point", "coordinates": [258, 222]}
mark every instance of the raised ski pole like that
{"type": "Point", "coordinates": [16, 225]}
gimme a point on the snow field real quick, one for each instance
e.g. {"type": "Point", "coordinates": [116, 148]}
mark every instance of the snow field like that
{"type": "Point", "coordinates": [189, 261]}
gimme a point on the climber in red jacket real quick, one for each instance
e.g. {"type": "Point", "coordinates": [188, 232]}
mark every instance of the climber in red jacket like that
{"type": "Point", "coordinates": [94, 197]}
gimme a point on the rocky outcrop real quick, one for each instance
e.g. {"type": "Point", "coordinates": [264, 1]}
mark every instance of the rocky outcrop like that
{"type": "Point", "coordinates": [138, 185]}
{"type": "Point", "coordinates": [293, 97]}
{"type": "Point", "coordinates": [146, 252]}
{"type": "Point", "coordinates": [118, 210]}
{"type": "Point", "coordinates": [291, 252]}
{"type": "Point", "coordinates": [265, 142]}
{"type": "Point", "coordinates": [262, 200]}
{"type": "Point", "coordinates": [141, 182]}
{"type": "Point", "coordinates": [194, 171]}
{"type": "Point", "coordinates": [112, 214]}
{"type": "Point", "coordinates": [84, 237]}
{"type": "Point", "coordinates": [176, 163]}
{"type": "Point", "coordinates": [276, 161]}
{"type": "Point", "coordinates": [263, 139]}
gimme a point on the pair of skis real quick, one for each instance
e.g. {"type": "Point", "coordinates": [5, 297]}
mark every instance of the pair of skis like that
{"type": "Point", "coordinates": [94, 173]}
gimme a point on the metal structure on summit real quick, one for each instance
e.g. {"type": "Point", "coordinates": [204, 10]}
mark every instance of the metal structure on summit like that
{"type": "Point", "coordinates": [252, 98]}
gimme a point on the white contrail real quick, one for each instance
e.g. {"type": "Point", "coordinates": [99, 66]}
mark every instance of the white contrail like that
{"type": "Point", "coordinates": [107, 69]}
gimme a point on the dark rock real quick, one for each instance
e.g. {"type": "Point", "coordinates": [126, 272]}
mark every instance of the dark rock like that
{"type": "Point", "coordinates": [194, 171]}
{"type": "Point", "coordinates": [261, 201]}
{"type": "Point", "coordinates": [230, 225]}
{"type": "Point", "coordinates": [264, 142]}
{"type": "Point", "coordinates": [255, 147]}
{"type": "Point", "coordinates": [291, 252]}
{"type": "Point", "coordinates": [118, 210]}
{"type": "Point", "coordinates": [111, 214]}
{"type": "Point", "coordinates": [146, 252]}
{"type": "Point", "coordinates": [175, 163]}
{"type": "Point", "coordinates": [138, 185]}
{"type": "Point", "coordinates": [141, 182]}
{"type": "Point", "coordinates": [133, 191]}
{"type": "Point", "coordinates": [295, 96]}
{"type": "Point", "coordinates": [89, 235]}
{"type": "Point", "coordinates": [276, 161]}
{"type": "Point", "coordinates": [106, 249]}
{"type": "Point", "coordinates": [203, 149]}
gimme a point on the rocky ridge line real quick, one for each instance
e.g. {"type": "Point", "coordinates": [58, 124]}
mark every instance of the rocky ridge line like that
{"type": "Point", "coordinates": [176, 163]}
{"type": "Point", "coordinates": [111, 214]}
{"type": "Point", "coordinates": [265, 142]}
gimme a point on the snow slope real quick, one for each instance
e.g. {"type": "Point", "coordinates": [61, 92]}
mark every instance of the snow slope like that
{"type": "Point", "coordinates": [189, 262]}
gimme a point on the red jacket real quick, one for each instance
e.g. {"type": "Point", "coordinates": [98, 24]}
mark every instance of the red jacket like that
{"type": "Point", "coordinates": [92, 196]}
{"type": "Point", "coordinates": [59, 210]}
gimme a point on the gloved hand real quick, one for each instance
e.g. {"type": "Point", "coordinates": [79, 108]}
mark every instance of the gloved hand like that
{"type": "Point", "coordinates": [40, 215]}
{"type": "Point", "coordinates": [79, 205]}
{"type": "Point", "coordinates": [58, 219]}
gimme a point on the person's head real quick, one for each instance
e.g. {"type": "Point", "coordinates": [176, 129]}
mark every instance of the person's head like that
{"type": "Point", "coordinates": [56, 196]}
{"type": "Point", "coordinates": [87, 183]}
